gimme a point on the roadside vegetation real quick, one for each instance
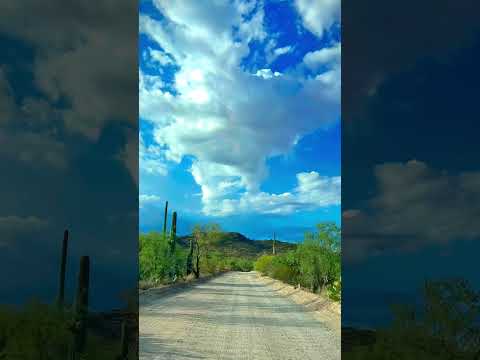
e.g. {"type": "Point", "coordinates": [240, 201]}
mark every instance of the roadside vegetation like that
{"type": "Point", "coordinates": [43, 332]}
{"type": "Point", "coordinates": [446, 326]}
{"type": "Point", "coordinates": [192, 257]}
{"type": "Point", "coordinates": [315, 264]}
{"type": "Point", "coordinates": [68, 329]}
{"type": "Point", "coordinates": [159, 265]}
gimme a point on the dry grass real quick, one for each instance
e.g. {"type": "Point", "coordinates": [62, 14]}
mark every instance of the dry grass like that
{"type": "Point", "coordinates": [147, 284]}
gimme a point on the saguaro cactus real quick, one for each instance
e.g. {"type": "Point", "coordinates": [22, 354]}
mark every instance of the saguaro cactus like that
{"type": "Point", "coordinates": [81, 306]}
{"type": "Point", "coordinates": [123, 343]}
{"type": "Point", "coordinates": [196, 270]}
{"type": "Point", "coordinates": [190, 258]}
{"type": "Point", "coordinates": [63, 264]}
{"type": "Point", "coordinates": [165, 219]}
{"type": "Point", "coordinates": [173, 233]}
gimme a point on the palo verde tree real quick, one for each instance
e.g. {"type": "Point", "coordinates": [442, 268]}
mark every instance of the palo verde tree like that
{"type": "Point", "coordinates": [319, 257]}
{"type": "Point", "coordinates": [314, 264]}
{"type": "Point", "coordinates": [204, 238]}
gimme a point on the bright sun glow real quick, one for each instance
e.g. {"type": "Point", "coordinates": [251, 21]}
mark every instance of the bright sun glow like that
{"type": "Point", "coordinates": [196, 75]}
{"type": "Point", "coordinates": [198, 96]}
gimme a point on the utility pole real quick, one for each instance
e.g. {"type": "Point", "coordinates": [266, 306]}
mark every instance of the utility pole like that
{"type": "Point", "coordinates": [273, 244]}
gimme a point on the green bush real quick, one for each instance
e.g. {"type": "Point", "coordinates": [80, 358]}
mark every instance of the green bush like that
{"type": "Point", "coordinates": [212, 263]}
{"type": "Point", "coordinates": [446, 327]}
{"type": "Point", "coordinates": [315, 264]}
{"type": "Point", "coordinates": [263, 264]}
{"type": "Point", "coordinates": [42, 332]}
{"type": "Point", "coordinates": [240, 264]}
{"type": "Point", "coordinates": [282, 271]}
{"type": "Point", "coordinates": [334, 290]}
{"type": "Point", "coordinates": [158, 265]}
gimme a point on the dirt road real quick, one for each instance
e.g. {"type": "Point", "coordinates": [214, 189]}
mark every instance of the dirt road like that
{"type": "Point", "coordinates": [233, 317]}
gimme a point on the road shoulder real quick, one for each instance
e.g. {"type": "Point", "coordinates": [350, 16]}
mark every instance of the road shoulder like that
{"type": "Point", "coordinates": [322, 308]}
{"type": "Point", "coordinates": [145, 296]}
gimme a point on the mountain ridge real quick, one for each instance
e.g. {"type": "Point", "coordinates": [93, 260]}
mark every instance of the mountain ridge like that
{"type": "Point", "coordinates": [237, 244]}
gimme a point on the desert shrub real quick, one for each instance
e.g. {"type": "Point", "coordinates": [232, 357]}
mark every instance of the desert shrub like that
{"type": "Point", "coordinates": [41, 332]}
{"type": "Point", "coordinates": [157, 262]}
{"type": "Point", "coordinates": [233, 264]}
{"type": "Point", "coordinates": [211, 262]}
{"type": "Point", "coordinates": [285, 267]}
{"type": "Point", "coordinates": [281, 267]}
{"type": "Point", "coordinates": [216, 262]}
{"type": "Point", "coordinates": [147, 284]}
{"type": "Point", "coordinates": [263, 264]}
{"type": "Point", "coordinates": [159, 265]}
{"type": "Point", "coordinates": [446, 327]}
{"type": "Point", "coordinates": [319, 258]}
{"type": "Point", "coordinates": [334, 290]}
{"type": "Point", "coordinates": [282, 271]}
{"type": "Point", "coordinates": [223, 264]}
{"type": "Point", "coordinates": [315, 264]}
{"type": "Point", "coordinates": [241, 264]}
{"type": "Point", "coordinates": [247, 265]}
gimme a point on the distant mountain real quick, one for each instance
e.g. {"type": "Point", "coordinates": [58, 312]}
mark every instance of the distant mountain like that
{"type": "Point", "coordinates": [236, 244]}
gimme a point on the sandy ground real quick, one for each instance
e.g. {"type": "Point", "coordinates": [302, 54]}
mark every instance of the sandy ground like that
{"type": "Point", "coordinates": [233, 316]}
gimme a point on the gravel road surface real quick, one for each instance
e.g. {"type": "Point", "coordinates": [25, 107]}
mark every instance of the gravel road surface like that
{"type": "Point", "coordinates": [234, 316]}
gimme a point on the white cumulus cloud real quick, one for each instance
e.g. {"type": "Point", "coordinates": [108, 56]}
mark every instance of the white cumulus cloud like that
{"type": "Point", "coordinates": [312, 191]}
{"type": "Point", "coordinates": [151, 157]}
{"type": "Point", "coordinates": [147, 199]}
{"type": "Point", "coordinates": [227, 119]}
{"type": "Point", "coordinates": [318, 15]}
{"type": "Point", "coordinates": [415, 206]}
{"type": "Point", "coordinates": [327, 56]}
{"type": "Point", "coordinates": [13, 226]}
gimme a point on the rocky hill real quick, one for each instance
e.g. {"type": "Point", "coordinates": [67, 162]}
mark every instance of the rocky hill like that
{"type": "Point", "coordinates": [236, 244]}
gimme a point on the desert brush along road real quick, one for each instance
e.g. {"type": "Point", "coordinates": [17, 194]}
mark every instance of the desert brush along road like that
{"type": "Point", "coordinates": [233, 316]}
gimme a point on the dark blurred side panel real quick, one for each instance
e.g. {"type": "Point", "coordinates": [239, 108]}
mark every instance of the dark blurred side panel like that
{"type": "Point", "coordinates": [69, 179]}
{"type": "Point", "coordinates": [410, 180]}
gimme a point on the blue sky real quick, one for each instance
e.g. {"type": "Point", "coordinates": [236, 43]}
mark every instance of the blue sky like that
{"type": "Point", "coordinates": [240, 115]}
{"type": "Point", "coordinates": [69, 150]}
{"type": "Point", "coordinates": [410, 180]}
